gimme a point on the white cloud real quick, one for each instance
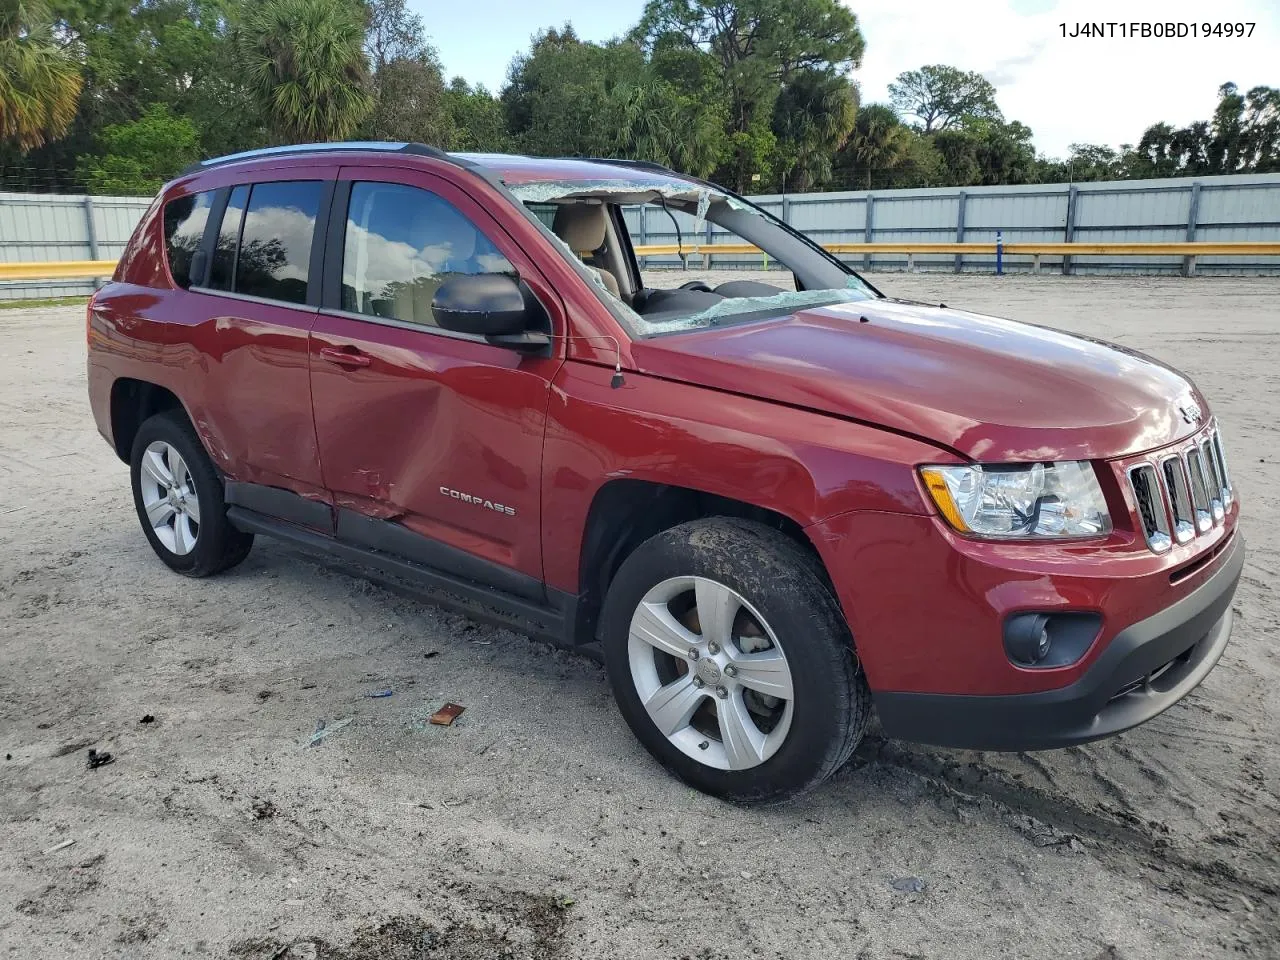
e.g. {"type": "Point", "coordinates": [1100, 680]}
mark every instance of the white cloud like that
{"type": "Point", "coordinates": [1081, 89]}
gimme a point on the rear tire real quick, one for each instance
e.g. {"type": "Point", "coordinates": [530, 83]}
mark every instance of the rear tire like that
{"type": "Point", "coordinates": [732, 662]}
{"type": "Point", "coordinates": [179, 498]}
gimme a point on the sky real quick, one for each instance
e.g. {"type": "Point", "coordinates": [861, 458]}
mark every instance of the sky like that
{"type": "Point", "coordinates": [1066, 90]}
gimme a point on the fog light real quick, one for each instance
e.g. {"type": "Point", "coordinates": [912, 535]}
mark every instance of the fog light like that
{"type": "Point", "coordinates": [1046, 640]}
{"type": "Point", "coordinates": [1026, 638]}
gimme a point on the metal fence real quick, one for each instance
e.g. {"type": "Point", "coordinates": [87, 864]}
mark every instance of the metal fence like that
{"type": "Point", "coordinates": [43, 227]}
{"type": "Point", "coordinates": [1233, 208]}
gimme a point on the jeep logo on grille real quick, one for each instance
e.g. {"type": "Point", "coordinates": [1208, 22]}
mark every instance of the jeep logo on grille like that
{"type": "Point", "coordinates": [1191, 411]}
{"type": "Point", "coordinates": [478, 501]}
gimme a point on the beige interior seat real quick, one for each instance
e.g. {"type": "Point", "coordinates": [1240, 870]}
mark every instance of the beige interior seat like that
{"type": "Point", "coordinates": [583, 227]}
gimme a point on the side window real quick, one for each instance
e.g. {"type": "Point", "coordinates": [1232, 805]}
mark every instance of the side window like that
{"type": "Point", "coordinates": [401, 244]}
{"type": "Point", "coordinates": [184, 223]}
{"type": "Point", "coordinates": [224, 252]}
{"type": "Point", "coordinates": [275, 241]}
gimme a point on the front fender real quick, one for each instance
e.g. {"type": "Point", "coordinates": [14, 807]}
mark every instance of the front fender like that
{"type": "Point", "coordinates": [806, 466]}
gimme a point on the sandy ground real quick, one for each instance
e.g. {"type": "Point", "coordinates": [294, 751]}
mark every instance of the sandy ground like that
{"type": "Point", "coordinates": [536, 826]}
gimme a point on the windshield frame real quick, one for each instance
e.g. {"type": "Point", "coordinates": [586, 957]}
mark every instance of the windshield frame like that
{"type": "Point", "coordinates": [657, 183]}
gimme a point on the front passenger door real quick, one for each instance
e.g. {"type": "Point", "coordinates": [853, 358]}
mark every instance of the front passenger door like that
{"type": "Point", "coordinates": [428, 438]}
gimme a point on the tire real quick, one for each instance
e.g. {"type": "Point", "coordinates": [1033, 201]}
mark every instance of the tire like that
{"type": "Point", "coordinates": [769, 597]}
{"type": "Point", "coordinates": [179, 498]}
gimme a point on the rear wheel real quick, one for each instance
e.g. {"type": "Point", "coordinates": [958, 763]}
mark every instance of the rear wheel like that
{"type": "Point", "coordinates": [731, 661]}
{"type": "Point", "coordinates": [179, 498]}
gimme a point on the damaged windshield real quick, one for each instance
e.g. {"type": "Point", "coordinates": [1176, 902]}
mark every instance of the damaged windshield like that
{"type": "Point", "coordinates": [670, 255]}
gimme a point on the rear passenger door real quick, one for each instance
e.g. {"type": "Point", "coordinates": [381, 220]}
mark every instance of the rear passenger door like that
{"type": "Point", "coordinates": [257, 298]}
{"type": "Point", "coordinates": [430, 440]}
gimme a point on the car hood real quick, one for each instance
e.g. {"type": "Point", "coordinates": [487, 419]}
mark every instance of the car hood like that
{"type": "Point", "coordinates": [989, 389]}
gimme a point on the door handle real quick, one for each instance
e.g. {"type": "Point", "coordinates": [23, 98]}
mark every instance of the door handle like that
{"type": "Point", "coordinates": [345, 357]}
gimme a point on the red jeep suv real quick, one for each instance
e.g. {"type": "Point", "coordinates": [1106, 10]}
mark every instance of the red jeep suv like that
{"type": "Point", "coordinates": [767, 506]}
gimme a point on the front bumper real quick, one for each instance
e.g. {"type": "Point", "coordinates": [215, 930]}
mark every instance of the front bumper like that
{"type": "Point", "coordinates": [1145, 669]}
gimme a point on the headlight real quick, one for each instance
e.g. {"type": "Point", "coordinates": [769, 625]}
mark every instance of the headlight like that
{"type": "Point", "coordinates": [1020, 501]}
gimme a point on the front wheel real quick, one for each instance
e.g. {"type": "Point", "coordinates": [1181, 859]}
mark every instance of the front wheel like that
{"type": "Point", "coordinates": [731, 662]}
{"type": "Point", "coordinates": [179, 498]}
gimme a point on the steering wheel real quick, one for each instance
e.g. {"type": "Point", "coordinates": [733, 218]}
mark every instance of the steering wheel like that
{"type": "Point", "coordinates": [700, 285]}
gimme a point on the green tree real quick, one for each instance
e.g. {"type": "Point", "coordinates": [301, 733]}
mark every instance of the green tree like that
{"type": "Point", "coordinates": [556, 98]}
{"type": "Point", "coordinates": [657, 122]}
{"type": "Point", "coordinates": [942, 97]}
{"type": "Point", "coordinates": [1086, 162]}
{"type": "Point", "coordinates": [812, 118]}
{"type": "Point", "coordinates": [570, 97]}
{"type": "Point", "coordinates": [1245, 131]}
{"type": "Point", "coordinates": [987, 153]}
{"type": "Point", "coordinates": [878, 144]}
{"type": "Point", "coordinates": [39, 79]}
{"type": "Point", "coordinates": [176, 52]}
{"type": "Point", "coordinates": [139, 156]}
{"type": "Point", "coordinates": [476, 122]}
{"type": "Point", "coordinates": [305, 65]}
{"type": "Point", "coordinates": [1261, 130]}
{"type": "Point", "coordinates": [757, 47]}
{"type": "Point", "coordinates": [1243, 136]}
{"type": "Point", "coordinates": [407, 80]}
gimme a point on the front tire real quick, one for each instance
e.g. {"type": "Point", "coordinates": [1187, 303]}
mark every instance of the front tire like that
{"type": "Point", "coordinates": [731, 661]}
{"type": "Point", "coordinates": [179, 498]}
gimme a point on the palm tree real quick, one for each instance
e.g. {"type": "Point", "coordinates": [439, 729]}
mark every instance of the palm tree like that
{"type": "Point", "coordinates": [39, 81]}
{"type": "Point", "coordinates": [654, 121]}
{"type": "Point", "coordinates": [305, 64]}
{"type": "Point", "coordinates": [812, 119]}
{"type": "Point", "coordinates": [878, 141]}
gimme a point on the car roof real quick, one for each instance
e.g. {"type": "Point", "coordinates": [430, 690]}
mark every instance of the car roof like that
{"type": "Point", "coordinates": [514, 168]}
{"type": "Point", "coordinates": [510, 168]}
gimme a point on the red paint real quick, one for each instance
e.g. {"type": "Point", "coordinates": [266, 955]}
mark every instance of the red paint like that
{"type": "Point", "coordinates": [816, 417]}
{"type": "Point", "coordinates": [926, 606]}
{"type": "Point", "coordinates": [992, 389]}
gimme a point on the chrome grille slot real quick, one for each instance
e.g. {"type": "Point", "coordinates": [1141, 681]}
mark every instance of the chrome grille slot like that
{"type": "Point", "coordinates": [1213, 478]}
{"type": "Point", "coordinates": [1151, 511]}
{"type": "Point", "coordinates": [1199, 490]}
{"type": "Point", "coordinates": [1228, 495]}
{"type": "Point", "coordinates": [1175, 481]}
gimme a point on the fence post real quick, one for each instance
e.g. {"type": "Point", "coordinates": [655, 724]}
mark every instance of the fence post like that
{"type": "Point", "coordinates": [1193, 214]}
{"type": "Point", "coordinates": [869, 229]}
{"type": "Point", "coordinates": [91, 231]}
{"type": "Point", "coordinates": [786, 209]}
{"type": "Point", "coordinates": [999, 253]}
{"type": "Point", "coordinates": [960, 229]}
{"type": "Point", "coordinates": [706, 257]}
{"type": "Point", "coordinates": [1070, 234]}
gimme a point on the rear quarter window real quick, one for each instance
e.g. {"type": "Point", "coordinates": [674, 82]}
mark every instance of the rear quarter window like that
{"type": "Point", "coordinates": [184, 222]}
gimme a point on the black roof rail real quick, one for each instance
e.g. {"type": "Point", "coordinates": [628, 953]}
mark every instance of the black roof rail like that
{"type": "Point", "coordinates": [418, 149]}
{"type": "Point", "coordinates": [641, 164]}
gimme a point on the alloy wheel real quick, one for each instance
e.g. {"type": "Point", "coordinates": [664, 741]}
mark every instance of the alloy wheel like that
{"type": "Point", "coordinates": [711, 673]}
{"type": "Point", "coordinates": [169, 497]}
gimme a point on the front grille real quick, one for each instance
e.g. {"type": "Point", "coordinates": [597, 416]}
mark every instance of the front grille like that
{"type": "Point", "coordinates": [1184, 493]}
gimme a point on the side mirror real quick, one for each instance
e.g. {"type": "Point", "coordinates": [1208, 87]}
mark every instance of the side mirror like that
{"type": "Point", "coordinates": [485, 304]}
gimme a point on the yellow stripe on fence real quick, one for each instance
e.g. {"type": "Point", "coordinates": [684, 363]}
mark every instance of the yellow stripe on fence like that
{"type": "Point", "coordinates": [90, 269]}
{"type": "Point", "coordinates": [57, 270]}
